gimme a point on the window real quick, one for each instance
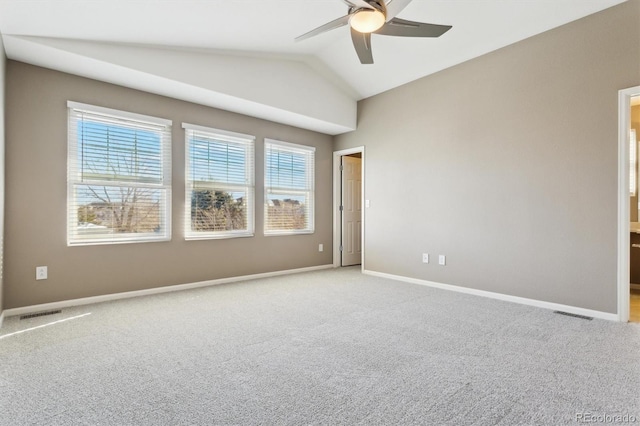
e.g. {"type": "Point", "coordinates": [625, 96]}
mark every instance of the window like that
{"type": "Point", "coordinates": [220, 183]}
{"type": "Point", "coordinates": [119, 176]}
{"type": "Point", "coordinates": [289, 188]}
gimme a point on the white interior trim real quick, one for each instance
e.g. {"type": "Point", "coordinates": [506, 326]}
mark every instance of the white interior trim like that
{"type": "Point", "coordinates": [337, 200]}
{"type": "Point", "coordinates": [500, 296]}
{"type": "Point", "coordinates": [291, 146]}
{"type": "Point", "coordinates": [158, 290]}
{"type": "Point", "coordinates": [233, 136]}
{"type": "Point", "coordinates": [1, 318]}
{"type": "Point", "coordinates": [119, 113]}
{"type": "Point", "coordinates": [624, 122]}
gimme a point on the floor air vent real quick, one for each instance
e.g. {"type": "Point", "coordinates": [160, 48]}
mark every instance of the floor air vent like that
{"type": "Point", "coordinates": [39, 314]}
{"type": "Point", "coordinates": [573, 315]}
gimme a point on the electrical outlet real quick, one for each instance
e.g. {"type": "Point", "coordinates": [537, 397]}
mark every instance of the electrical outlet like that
{"type": "Point", "coordinates": [442, 260]}
{"type": "Point", "coordinates": [41, 272]}
{"type": "Point", "coordinates": [425, 257]}
{"type": "Point", "coordinates": [320, 247]}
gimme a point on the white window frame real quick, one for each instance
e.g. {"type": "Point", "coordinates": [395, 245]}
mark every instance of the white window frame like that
{"type": "Point", "coordinates": [247, 142]}
{"type": "Point", "coordinates": [75, 179]}
{"type": "Point", "coordinates": [308, 192]}
{"type": "Point", "coordinates": [633, 163]}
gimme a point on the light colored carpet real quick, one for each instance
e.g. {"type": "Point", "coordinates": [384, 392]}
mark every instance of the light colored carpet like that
{"type": "Point", "coordinates": [329, 347]}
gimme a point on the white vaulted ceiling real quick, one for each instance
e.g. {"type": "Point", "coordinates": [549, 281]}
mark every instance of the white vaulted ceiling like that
{"type": "Point", "coordinates": [240, 55]}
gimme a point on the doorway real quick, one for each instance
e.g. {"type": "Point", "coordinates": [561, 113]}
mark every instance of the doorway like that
{"type": "Point", "coordinates": [351, 210]}
{"type": "Point", "coordinates": [634, 260]}
{"type": "Point", "coordinates": [627, 210]}
{"type": "Point", "coordinates": [348, 178]}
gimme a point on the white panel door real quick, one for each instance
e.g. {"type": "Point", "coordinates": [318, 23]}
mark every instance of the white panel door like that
{"type": "Point", "coordinates": [351, 211]}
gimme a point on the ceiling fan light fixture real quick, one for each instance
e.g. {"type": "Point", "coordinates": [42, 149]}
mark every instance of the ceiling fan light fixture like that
{"type": "Point", "coordinates": [367, 20]}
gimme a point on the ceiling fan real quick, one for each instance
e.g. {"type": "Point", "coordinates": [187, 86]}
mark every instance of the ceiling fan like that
{"type": "Point", "coordinates": [368, 17]}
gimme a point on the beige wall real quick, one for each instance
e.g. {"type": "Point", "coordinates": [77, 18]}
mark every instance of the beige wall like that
{"type": "Point", "coordinates": [36, 198]}
{"type": "Point", "coordinates": [506, 164]}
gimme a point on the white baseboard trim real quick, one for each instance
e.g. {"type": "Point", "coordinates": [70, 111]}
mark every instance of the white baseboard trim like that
{"type": "Point", "coordinates": [500, 296]}
{"type": "Point", "coordinates": [137, 293]}
{"type": "Point", "coordinates": [1, 318]}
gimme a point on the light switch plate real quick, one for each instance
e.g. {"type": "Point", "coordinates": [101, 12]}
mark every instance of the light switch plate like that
{"type": "Point", "coordinates": [41, 272]}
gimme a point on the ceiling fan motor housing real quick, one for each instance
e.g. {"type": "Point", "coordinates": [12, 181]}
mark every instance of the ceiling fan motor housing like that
{"type": "Point", "coordinates": [375, 4]}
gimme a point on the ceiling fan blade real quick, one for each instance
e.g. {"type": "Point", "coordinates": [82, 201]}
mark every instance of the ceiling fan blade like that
{"type": "Point", "coordinates": [403, 28]}
{"type": "Point", "coordinates": [394, 7]}
{"type": "Point", "coordinates": [336, 23]}
{"type": "Point", "coordinates": [362, 43]}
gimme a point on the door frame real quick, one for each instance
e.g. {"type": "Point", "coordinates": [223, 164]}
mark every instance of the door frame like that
{"type": "Point", "coordinates": [624, 123]}
{"type": "Point", "coordinates": [337, 200]}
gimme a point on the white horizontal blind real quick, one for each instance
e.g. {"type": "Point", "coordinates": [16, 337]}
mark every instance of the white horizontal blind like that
{"type": "Point", "coordinates": [219, 183]}
{"type": "Point", "coordinates": [289, 188]}
{"type": "Point", "coordinates": [119, 176]}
